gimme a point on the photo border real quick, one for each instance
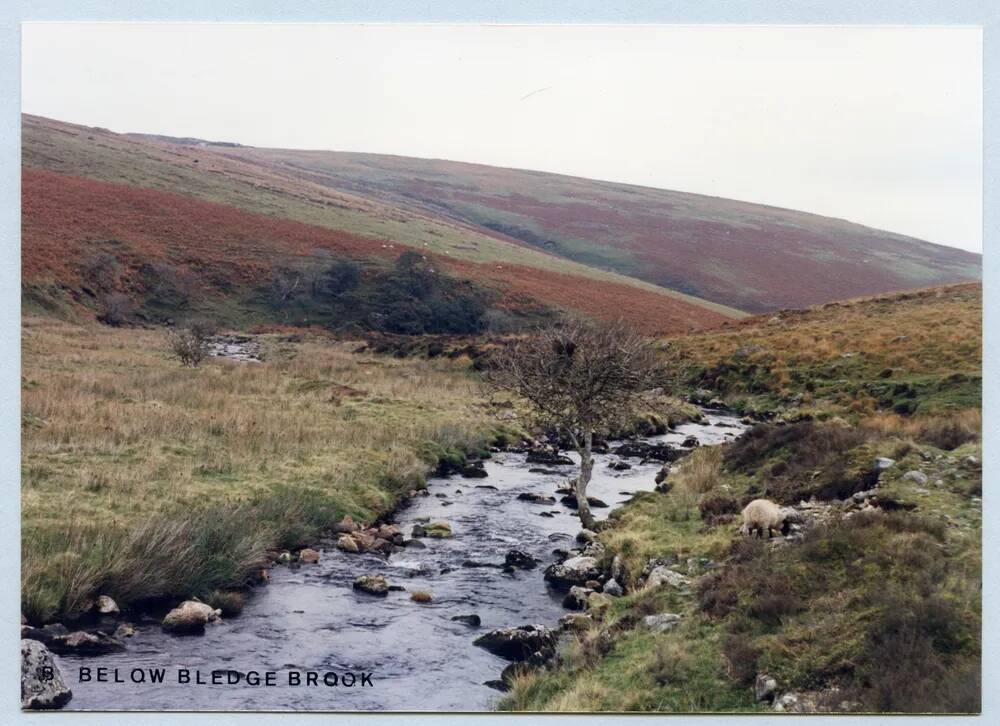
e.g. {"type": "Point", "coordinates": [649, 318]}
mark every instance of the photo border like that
{"type": "Point", "coordinates": [981, 13]}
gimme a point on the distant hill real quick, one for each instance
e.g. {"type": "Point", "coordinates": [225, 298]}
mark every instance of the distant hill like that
{"type": "Point", "coordinates": [667, 260]}
{"type": "Point", "coordinates": [228, 226]}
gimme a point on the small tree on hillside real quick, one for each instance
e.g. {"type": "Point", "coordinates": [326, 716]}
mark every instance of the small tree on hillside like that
{"type": "Point", "coordinates": [580, 379]}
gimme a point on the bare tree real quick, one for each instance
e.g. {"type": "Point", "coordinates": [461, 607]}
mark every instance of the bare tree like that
{"type": "Point", "coordinates": [580, 379]}
{"type": "Point", "coordinates": [190, 344]}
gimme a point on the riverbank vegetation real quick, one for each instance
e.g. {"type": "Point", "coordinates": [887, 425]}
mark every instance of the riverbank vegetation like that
{"type": "Point", "coordinates": [874, 604]}
{"type": "Point", "coordinates": [143, 478]}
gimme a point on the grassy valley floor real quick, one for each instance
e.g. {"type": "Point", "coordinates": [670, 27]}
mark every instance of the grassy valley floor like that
{"type": "Point", "coordinates": [144, 479]}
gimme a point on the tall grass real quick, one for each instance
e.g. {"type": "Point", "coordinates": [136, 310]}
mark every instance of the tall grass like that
{"type": "Point", "coordinates": [142, 478]}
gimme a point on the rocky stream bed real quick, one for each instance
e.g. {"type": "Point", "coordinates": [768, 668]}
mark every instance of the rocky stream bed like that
{"type": "Point", "coordinates": [418, 656]}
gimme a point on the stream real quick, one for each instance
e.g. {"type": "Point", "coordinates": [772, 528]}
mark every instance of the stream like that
{"type": "Point", "coordinates": [309, 617]}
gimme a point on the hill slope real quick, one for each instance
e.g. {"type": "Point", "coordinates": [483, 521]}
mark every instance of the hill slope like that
{"type": "Point", "coordinates": [750, 256]}
{"type": "Point", "coordinates": [233, 223]}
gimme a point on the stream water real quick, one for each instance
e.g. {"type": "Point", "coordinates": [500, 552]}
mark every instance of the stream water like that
{"type": "Point", "coordinates": [308, 618]}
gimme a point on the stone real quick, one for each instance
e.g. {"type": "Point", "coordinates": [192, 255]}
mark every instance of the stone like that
{"type": "Point", "coordinates": [882, 463]}
{"type": "Point", "coordinates": [570, 501]}
{"type": "Point", "coordinates": [917, 477]}
{"type": "Point", "coordinates": [106, 606]}
{"type": "Point", "coordinates": [414, 544]}
{"type": "Point", "coordinates": [765, 687]}
{"type": "Point", "coordinates": [472, 620]}
{"type": "Point", "coordinates": [575, 622]}
{"type": "Point", "coordinates": [585, 536]}
{"type": "Point", "coordinates": [617, 569]}
{"type": "Point", "coordinates": [372, 584]}
{"type": "Point", "coordinates": [474, 470]}
{"type": "Point", "coordinates": [663, 575]}
{"type": "Point", "coordinates": [576, 598]}
{"type": "Point", "coordinates": [345, 526]}
{"type": "Point", "coordinates": [573, 571]}
{"type": "Point", "coordinates": [536, 498]}
{"type": "Point", "coordinates": [190, 616]}
{"type": "Point", "coordinates": [38, 690]}
{"type": "Point", "coordinates": [124, 631]}
{"type": "Point", "coordinates": [611, 587]}
{"type": "Point", "coordinates": [663, 622]}
{"type": "Point", "coordinates": [520, 560]}
{"type": "Point", "coordinates": [86, 643]}
{"type": "Point", "coordinates": [534, 643]}
{"type": "Point", "coordinates": [348, 544]}
{"type": "Point", "coordinates": [547, 458]}
{"type": "Point", "coordinates": [690, 442]}
{"type": "Point", "coordinates": [437, 529]}
{"type": "Point", "coordinates": [308, 555]}
{"type": "Point", "coordinates": [619, 465]}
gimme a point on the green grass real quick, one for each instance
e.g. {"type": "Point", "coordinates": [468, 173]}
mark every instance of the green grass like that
{"type": "Point", "coordinates": [217, 464]}
{"type": "Point", "coordinates": [884, 605]}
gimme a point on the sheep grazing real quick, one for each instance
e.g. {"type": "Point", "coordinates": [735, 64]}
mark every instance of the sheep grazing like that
{"type": "Point", "coordinates": [763, 515]}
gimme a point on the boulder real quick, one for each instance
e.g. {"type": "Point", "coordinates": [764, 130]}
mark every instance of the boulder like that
{"type": "Point", "coordinates": [575, 622]}
{"type": "Point", "coordinates": [372, 584]}
{"type": "Point", "coordinates": [472, 620]}
{"type": "Point", "coordinates": [124, 631]}
{"type": "Point", "coordinates": [106, 606]}
{"type": "Point", "coordinates": [42, 685]}
{"type": "Point", "coordinates": [347, 543]}
{"type": "Point", "coordinates": [548, 458]}
{"type": "Point", "coordinates": [573, 571]}
{"type": "Point", "coordinates": [84, 643]}
{"type": "Point", "coordinates": [437, 529]}
{"type": "Point", "coordinates": [474, 470]}
{"type": "Point", "coordinates": [764, 687]}
{"type": "Point", "coordinates": [611, 587]}
{"type": "Point", "coordinates": [662, 623]}
{"type": "Point", "coordinates": [917, 477]}
{"type": "Point", "coordinates": [663, 575]}
{"type": "Point", "coordinates": [643, 450]}
{"type": "Point", "coordinates": [520, 560]}
{"type": "Point", "coordinates": [617, 569]}
{"type": "Point", "coordinates": [576, 598]}
{"type": "Point", "coordinates": [390, 532]}
{"type": "Point", "coordinates": [619, 465]}
{"type": "Point", "coordinates": [690, 442]}
{"type": "Point", "coordinates": [190, 616]}
{"type": "Point", "coordinates": [536, 498]}
{"type": "Point", "coordinates": [533, 643]}
{"type": "Point", "coordinates": [570, 501]}
{"type": "Point", "coordinates": [308, 555]}
{"type": "Point", "coordinates": [882, 463]}
{"type": "Point", "coordinates": [345, 526]}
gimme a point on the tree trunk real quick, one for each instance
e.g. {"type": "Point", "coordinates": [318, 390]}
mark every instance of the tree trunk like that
{"type": "Point", "coordinates": [586, 469]}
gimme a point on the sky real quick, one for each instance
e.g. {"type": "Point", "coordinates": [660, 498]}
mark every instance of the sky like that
{"type": "Point", "coordinates": [878, 125]}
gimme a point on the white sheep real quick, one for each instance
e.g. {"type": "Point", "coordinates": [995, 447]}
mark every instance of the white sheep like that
{"type": "Point", "coordinates": [763, 515]}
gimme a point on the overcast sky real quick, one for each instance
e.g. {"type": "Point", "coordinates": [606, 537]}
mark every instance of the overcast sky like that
{"type": "Point", "coordinates": [880, 126]}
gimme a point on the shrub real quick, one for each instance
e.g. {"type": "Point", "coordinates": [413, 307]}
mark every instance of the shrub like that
{"type": "Point", "coordinates": [712, 506]}
{"type": "Point", "coordinates": [116, 309]}
{"type": "Point", "coordinates": [190, 344]}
